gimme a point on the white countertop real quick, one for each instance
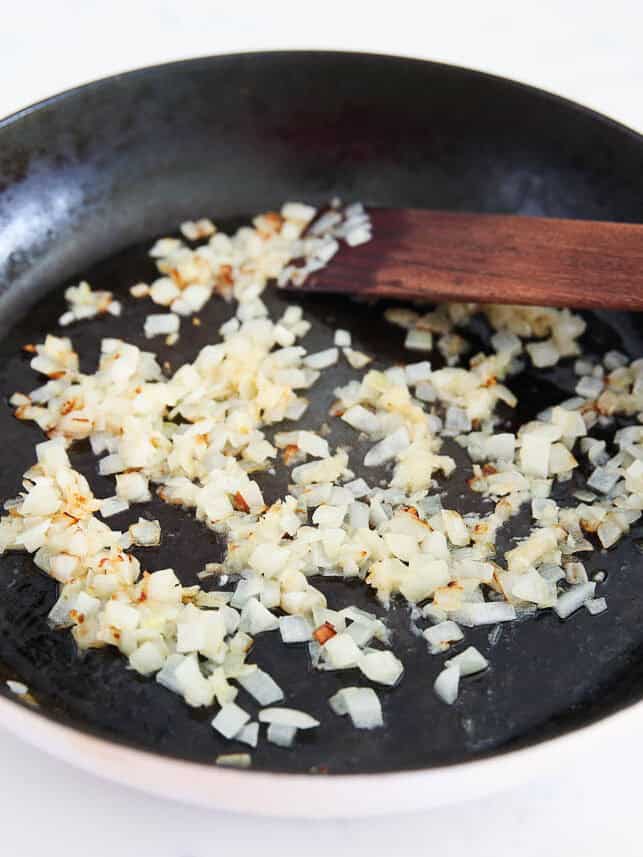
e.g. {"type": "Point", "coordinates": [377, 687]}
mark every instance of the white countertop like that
{"type": "Point", "coordinates": [588, 51]}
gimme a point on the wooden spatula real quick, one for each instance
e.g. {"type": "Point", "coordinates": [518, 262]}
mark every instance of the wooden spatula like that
{"type": "Point", "coordinates": [437, 255]}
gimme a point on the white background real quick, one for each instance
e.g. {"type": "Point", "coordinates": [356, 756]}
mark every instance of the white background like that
{"type": "Point", "coordinates": [589, 51]}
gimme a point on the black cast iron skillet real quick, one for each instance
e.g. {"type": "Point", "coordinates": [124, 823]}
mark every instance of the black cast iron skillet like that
{"type": "Point", "coordinates": [89, 177]}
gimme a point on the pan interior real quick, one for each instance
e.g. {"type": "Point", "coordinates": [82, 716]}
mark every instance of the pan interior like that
{"type": "Point", "coordinates": [128, 162]}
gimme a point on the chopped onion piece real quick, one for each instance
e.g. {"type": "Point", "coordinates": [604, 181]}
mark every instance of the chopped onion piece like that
{"type": "Point", "coordinates": [255, 618]}
{"type": "Point", "coordinates": [434, 614]}
{"type": "Point", "coordinates": [574, 598]}
{"type": "Point", "coordinates": [419, 340]}
{"type": "Point", "coordinates": [594, 606]}
{"type": "Point", "coordinates": [575, 573]}
{"type": "Point", "coordinates": [417, 372]}
{"type": "Point", "coordinates": [359, 235]}
{"type": "Point", "coordinates": [362, 419]}
{"type": "Point", "coordinates": [543, 354]}
{"type": "Point", "coordinates": [249, 734]}
{"type": "Point", "coordinates": [230, 720]}
{"type": "Point", "coordinates": [110, 464]}
{"type": "Point", "coordinates": [551, 572]}
{"type": "Point", "coordinates": [235, 760]}
{"type": "Point", "coordinates": [469, 662]}
{"type": "Point", "coordinates": [322, 359]}
{"type": "Point", "coordinates": [361, 704]}
{"type": "Point", "coordinates": [457, 421]}
{"type": "Point", "coordinates": [615, 359]}
{"type": "Point", "coordinates": [163, 324]}
{"type": "Point", "coordinates": [341, 652]}
{"type": "Point", "coordinates": [504, 341]}
{"type": "Point", "coordinates": [589, 388]}
{"type": "Point", "coordinates": [147, 658]}
{"type": "Point", "coordinates": [288, 717]}
{"type": "Point", "coordinates": [442, 635]}
{"type": "Point", "coordinates": [426, 392]}
{"type": "Point", "coordinates": [388, 448]}
{"type": "Point", "coordinates": [262, 686]}
{"type": "Point", "coordinates": [603, 479]}
{"type": "Point", "coordinates": [487, 613]}
{"type": "Point", "coordinates": [362, 632]}
{"type": "Point", "coordinates": [358, 488]}
{"type": "Point", "coordinates": [146, 533]}
{"type": "Point", "coordinates": [382, 667]}
{"type": "Point", "coordinates": [356, 359]}
{"type": "Point", "coordinates": [294, 629]}
{"type": "Point", "coordinates": [281, 734]}
{"type": "Point", "coordinates": [447, 683]}
{"type": "Point", "coordinates": [112, 506]}
{"type": "Point", "coordinates": [500, 447]}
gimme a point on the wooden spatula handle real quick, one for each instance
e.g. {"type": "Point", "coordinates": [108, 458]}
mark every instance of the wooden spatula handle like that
{"type": "Point", "coordinates": [436, 255]}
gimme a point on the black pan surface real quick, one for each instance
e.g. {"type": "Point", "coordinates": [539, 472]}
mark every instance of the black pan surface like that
{"type": "Point", "coordinates": [89, 178]}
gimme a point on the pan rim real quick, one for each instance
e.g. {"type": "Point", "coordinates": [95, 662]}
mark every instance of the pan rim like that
{"type": "Point", "coordinates": [275, 794]}
{"type": "Point", "coordinates": [142, 71]}
{"type": "Point", "coordinates": [408, 789]}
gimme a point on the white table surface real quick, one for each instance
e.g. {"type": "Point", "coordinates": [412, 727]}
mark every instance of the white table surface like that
{"type": "Point", "coordinates": [589, 51]}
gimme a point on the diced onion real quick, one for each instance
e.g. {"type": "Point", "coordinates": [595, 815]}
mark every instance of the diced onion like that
{"type": "Point", "coordinates": [469, 662]}
{"type": "Point", "coordinates": [281, 734]}
{"type": "Point", "coordinates": [484, 614]}
{"type": "Point", "coordinates": [288, 717]}
{"type": "Point", "coordinates": [163, 324]}
{"type": "Point", "coordinates": [574, 598]}
{"type": "Point", "coordinates": [249, 734]}
{"type": "Point", "coordinates": [417, 372]}
{"type": "Point", "coordinates": [112, 506]}
{"type": "Point", "coordinates": [387, 448]}
{"type": "Point", "coordinates": [381, 667]}
{"type": "Point", "coordinates": [361, 704]}
{"type": "Point", "coordinates": [261, 686]}
{"type": "Point", "coordinates": [419, 340]}
{"type": "Point", "coordinates": [594, 606]}
{"type": "Point", "coordinates": [294, 629]}
{"type": "Point", "coordinates": [447, 683]}
{"type": "Point", "coordinates": [230, 720]}
{"type": "Point", "coordinates": [341, 652]}
{"type": "Point", "coordinates": [146, 533]}
{"type": "Point", "coordinates": [255, 618]}
{"type": "Point", "coordinates": [322, 359]}
{"type": "Point", "coordinates": [442, 635]}
{"type": "Point", "coordinates": [234, 760]}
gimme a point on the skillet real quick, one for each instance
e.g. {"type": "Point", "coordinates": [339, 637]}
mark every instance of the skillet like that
{"type": "Point", "coordinates": [90, 177]}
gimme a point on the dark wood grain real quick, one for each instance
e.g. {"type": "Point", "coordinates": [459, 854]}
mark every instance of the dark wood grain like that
{"type": "Point", "coordinates": [438, 255]}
